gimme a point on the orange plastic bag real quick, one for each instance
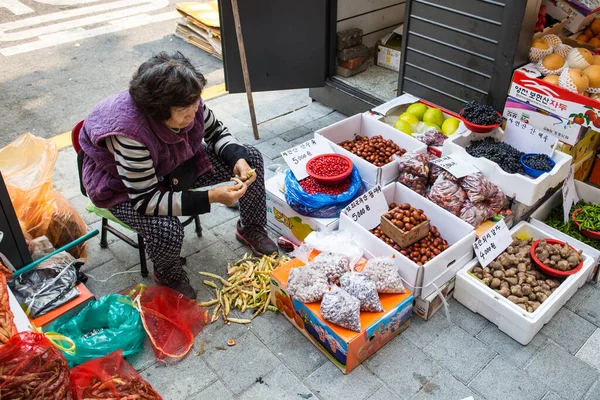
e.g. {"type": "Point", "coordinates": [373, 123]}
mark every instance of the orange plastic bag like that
{"type": "Point", "coordinates": [27, 165]}
{"type": "Point", "coordinates": [171, 320]}
{"type": "Point", "coordinates": [109, 377]}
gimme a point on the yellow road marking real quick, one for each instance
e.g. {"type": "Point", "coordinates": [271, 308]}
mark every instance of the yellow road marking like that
{"type": "Point", "coordinates": [64, 139]}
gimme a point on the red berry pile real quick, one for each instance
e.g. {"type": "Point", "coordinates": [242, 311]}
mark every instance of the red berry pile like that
{"type": "Point", "coordinates": [329, 166]}
{"type": "Point", "coordinates": [311, 186]}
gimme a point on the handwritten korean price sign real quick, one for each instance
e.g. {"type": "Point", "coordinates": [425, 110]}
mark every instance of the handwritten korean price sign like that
{"type": "Point", "coordinates": [528, 139]}
{"type": "Point", "coordinates": [455, 165]}
{"type": "Point", "coordinates": [297, 157]}
{"type": "Point", "coordinates": [367, 209]}
{"type": "Point", "coordinates": [569, 193]}
{"type": "Point", "coordinates": [492, 243]}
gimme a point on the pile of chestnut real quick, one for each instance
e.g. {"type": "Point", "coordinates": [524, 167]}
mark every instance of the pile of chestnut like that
{"type": "Point", "coordinates": [376, 149]}
{"type": "Point", "coordinates": [405, 216]}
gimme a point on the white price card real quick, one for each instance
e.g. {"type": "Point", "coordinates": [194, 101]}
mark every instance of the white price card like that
{"type": "Point", "coordinates": [529, 139]}
{"type": "Point", "coordinates": [297, 157]}
{"type": "Point", "coordinates": [492, 243]}
{"type": "Point", "coordinates": [569, 194]}
{"type": "Point", "coordinates": [367, 209]}
{"type": "Point", "coordinates": [455, 165]}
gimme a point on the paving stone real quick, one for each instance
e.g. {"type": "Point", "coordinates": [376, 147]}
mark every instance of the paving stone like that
{"type": "Point", "coordinates": [80, 202]}
{"type": "Point", "coordinates": [383, 394]}
{"type": "Point", "coordinates": [240, 365]}
{"type": "Point", "coordinates": [182, 380]}
{"type": "Point", "coordinates": [270, 326]}
{"type": "Point", "coordinates": [213, 258]}
{"type": "Point", "coordinates": [579, 296]}
{"type": "Point", "coordinates": [296, 351]}
{"type": "Point", "coordinates": [421, 333]}
{"type": "Point", "coordinates": [279, 384]}
{"type": "Point", "coordinates": [96, 255]}
{"type": "Point", "coordinates": [588, 307]}
{"type": "Point", "coordinates": [281, 124]}
{"type": "Point", "coordinates": [590, 352]}
{"type": "Point", "coordinates": [568, 330]}
{"type": "Point", "coordinates": [218, 214]}
{"type": "Point", "coordinates": [115, 284]}
{"type": "Point", "coordinates": [125, 254]}
{"type": "Point", "coordinates": [144, 359]}
{"type": "Point", "coordinates": [325, 121]}
{"type": "Point", "coordinates": [460, 353]}
{"type": "Point", "coordinates": [193, 244]}
{"type": "Point", "coordinates": [226, 233]}
{"type": "Point", "coordinates": [503, 381]}
{"type": "Point", "coordinates": [403, 381]}
{"type": "Point", "coordinates": [110, 238]}
{"type": "Point", "coordinates": [216, 391]}
{"type": "Point", "coordinates": [471, 322]}
{"type": "Point", "coordinates": [347, 73]}
{"type": "Point", "coordinates": [560, 371]}
{"type": "Point", "coordinates": [442, 387]}
{"type": "Point", "coordinates": [246, 136]}
{"type": "Point", "coordinates": [272, 148]}
{"type": "Point", "coordinates": [552, 396]}
{"type": "Point", "coordinates": [302, 139]}
{"type": "Point", "coordinates": [318, 109]}
{"type": "Point", "coordinates": [593, 393]}
{"type": "Point", "coordinates": [353, 52]}
{"type": "Point", "coordinates": [509, 348]}
{"type": "Point", "coordinates": [295, 133]}
{"type": "Point", "coordinates": [328, 382]}
{"type": "Point", "coordinates": [349, 38]}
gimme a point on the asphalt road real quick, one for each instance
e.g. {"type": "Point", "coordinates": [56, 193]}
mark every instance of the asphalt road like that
{"type": "Point", "coordinates": [60, 57]}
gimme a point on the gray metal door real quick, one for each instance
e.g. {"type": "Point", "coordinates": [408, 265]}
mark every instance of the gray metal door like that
{"type": "Point", "coordinates": [286, 43]}
{"type": "Point", "coordinates": [457, 51]}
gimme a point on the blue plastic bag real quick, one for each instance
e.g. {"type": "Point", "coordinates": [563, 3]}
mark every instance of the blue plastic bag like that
{"type": "Point", "coordinates": [321, 205]}
{"type": "Point", "coordinates": [103, 326]}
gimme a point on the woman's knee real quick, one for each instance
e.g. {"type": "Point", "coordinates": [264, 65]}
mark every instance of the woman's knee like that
{"type": "Point", "coordinates": [255, 157]}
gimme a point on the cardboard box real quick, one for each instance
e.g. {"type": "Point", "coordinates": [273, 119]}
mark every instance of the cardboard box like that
{"type": "Point", "coordinates": [343, 347]}
{"type": "Point", "coordinates": [543, 120]}
{"type": "Point", "coordinates": [577, 18]}
{"type": "Point", "coordinates": [527, 86]}
{"type": "Point", "coordinates": [284, 220]}
{"type": "Point", "coordinates": [594, 178]}
{"type": "Point", "coordinates": [507, 215]}
{"type": "Point", "coordinates": [426, 308]}
{"type": "Point", "coordinates": [584, 146]}
{"type": "Point", "coordinates": [388, 50]}
{"type": "Point", "coordinates": [366, 125]}
{"type": "Point", "coordinates": [72, 307]}
{"type": "Point", "coordinates": [422, 280]}
{"type": "Point", "coordinates": [584, 166]}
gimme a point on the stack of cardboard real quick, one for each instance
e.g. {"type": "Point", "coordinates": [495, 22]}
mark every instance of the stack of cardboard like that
{"type": "Point", "coordinates": [200, 26]}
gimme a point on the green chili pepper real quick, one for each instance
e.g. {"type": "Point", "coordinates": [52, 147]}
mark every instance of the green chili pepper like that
{"type": "Point", "coordinates": [555, 220]}
{"type": "Point", "coordinates": [589, 217]}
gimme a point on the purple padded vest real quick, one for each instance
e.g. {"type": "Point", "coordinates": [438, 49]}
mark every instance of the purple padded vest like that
{"type": "Point", "coordinates": [119, 115]}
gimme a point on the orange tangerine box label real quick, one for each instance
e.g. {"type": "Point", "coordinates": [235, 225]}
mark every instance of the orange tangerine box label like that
{"type": "Point", "coordinates": [344, 347]}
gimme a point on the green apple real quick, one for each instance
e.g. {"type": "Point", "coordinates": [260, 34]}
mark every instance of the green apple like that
{"type": "Point", "coordinates": [417, 109]}
{"type": "Point", "coordinates": [403, 126]}
{"type": "Point", "coordinates": [450, 126]}
{"type": "Point", "coordinates": [434, 116]}
{"type": "Point", "coordinates": [410, 118]}
{"type": "Point", "coordinates": [437, 127]}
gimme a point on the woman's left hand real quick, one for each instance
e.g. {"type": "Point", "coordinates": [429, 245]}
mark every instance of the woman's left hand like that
{"type": "Point", "coordinates": [242, 170]}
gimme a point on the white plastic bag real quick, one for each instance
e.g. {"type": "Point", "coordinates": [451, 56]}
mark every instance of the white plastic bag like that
{"type": "Point", "coordinates": [336, 242]}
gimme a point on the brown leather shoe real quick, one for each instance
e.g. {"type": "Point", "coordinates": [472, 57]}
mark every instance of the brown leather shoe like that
{"type": "Point", "coordinates": [256, 238]}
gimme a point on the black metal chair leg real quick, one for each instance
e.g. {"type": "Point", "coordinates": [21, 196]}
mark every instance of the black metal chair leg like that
{"type": "Point", "coordinates": [198, 226]}
{"type": "Point", "coordinates": [142, 250]}
{"type": "Point", "coordinates": [103, 234]}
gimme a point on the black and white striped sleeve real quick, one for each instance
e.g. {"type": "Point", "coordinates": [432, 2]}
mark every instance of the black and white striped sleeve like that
{"type": "Point", "coordinates": [136, 169]}
{"type": "Point", "coordinates": [221, 140]}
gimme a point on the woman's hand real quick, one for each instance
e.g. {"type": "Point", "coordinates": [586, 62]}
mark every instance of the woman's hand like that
{"type": "Point", "coordinates": [243, 171]}
{"type": "Point", "coordinates": [227, 194]}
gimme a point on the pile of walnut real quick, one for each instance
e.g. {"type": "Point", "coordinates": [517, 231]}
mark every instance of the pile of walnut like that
{"type": "Point", "coordinates": [514, 276]}
{"type": "Point", "coordinates": [562, 258]}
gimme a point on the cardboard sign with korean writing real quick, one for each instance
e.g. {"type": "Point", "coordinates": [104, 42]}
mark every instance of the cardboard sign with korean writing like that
{"type": "Point", "coordinates": [492, 243]}
{"type": "Point", "coordinates": [570, 196]}
{"type": "Point", "coordinates": [455, 165]}
{"type": "Point", "coordinates": [366, 209]}
{"type": "Point", "coordinates": [297, 157]}
{"type": "Point", "coordinates": [528, 139]}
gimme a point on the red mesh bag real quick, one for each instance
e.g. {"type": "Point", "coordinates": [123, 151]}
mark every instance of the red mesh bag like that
{"type": "Point", "coordinates": [110, 377]}
{"type": "Point", "coordinates": [32, 368]}
{"type": "Point", "coordinates": [7, 320]}
{"type": "Point", "coordinates": [171, 320]}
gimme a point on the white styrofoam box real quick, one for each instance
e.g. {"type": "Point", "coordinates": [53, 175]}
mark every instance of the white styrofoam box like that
{"type": "Point", "coordinates": [20, 318]}
{"type": "Point", "coordinates": [284, 220]}
{"type": "Point", "coordinates": [507, 316]}
{"type": "Point", "coordinates": [364, 125]}
{"type": "Point", "coordinates": [522, 188]}
{"type": "Point", "coordinates": [421, 280]}
{"type": "Point", "coordinates": [537, 218]}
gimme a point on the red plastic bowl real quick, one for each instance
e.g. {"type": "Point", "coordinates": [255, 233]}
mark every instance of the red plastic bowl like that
{"type": "Point", "coordinates": [551, 271]}
{"type": "Point", "coordinates": [329, 180]}
{"type": "Point", "coordinates": [585, 232]}
{"type": "Point", "coordinates": [480, 128]}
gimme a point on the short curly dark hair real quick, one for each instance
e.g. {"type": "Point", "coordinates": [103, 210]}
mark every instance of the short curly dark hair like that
{"type": "Point", "coordinates": [165, 81]}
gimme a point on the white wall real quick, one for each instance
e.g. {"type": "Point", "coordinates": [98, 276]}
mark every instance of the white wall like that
{"type": "Point", "coordinates": [375, 17]}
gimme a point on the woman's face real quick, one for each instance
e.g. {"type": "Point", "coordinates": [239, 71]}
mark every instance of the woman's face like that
{"type": "Point", "coordinates": [182, 116]}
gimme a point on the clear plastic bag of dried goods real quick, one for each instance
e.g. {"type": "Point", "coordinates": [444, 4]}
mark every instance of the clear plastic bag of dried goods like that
{"type": "Point", "coordinates": [414, 171]}
{"type": "Point", "coordinates": [39, 247]}
{"type": "Point", "coordinates": [339, 307]}
{"type": "Point", "coordinates": [477, 187]}
{"type": "Point", "coordinates": [430, 136]}
{"type": "Point", "coordinates": [384, 272]}
{"type": "Point", "coordinates": [475, 213]}
{"type": "Point", "coordinates": [307, 284]}
{"type": "Point", "coordinates": [332, 265]}
{"type": "Point", "coordinates": [497, 199]}
{"type": "Point", "coordinates": [448, 195]}
{"type": "Point", "coordinates": [340, 242]}
{"type": "Point", "coordinates": [364, 289]}
{"type": "Point", "coordinates": [416, 183]}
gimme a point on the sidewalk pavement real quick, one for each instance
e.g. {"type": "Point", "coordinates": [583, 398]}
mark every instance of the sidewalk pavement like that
{"type": "Point", "coordinates": [438, 359]}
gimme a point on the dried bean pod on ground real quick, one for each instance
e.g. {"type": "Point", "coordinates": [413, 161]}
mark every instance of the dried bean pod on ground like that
{"type": "Point", "coordinates": [307, 284]}
{"type": "Point", "coordinates": [364, 289]}
{"type": "Point", "coordinates": [339, 307]}
{"type": "Point", "coordinates": [448, 195]}
{"type": "Point", "coordinates": [384, 272]}
{"type": "Point", "coordinates": [333, 265]}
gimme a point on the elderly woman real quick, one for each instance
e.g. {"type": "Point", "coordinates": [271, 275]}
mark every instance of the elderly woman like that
{"type": "Point", "coordinates": [146, 148]}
